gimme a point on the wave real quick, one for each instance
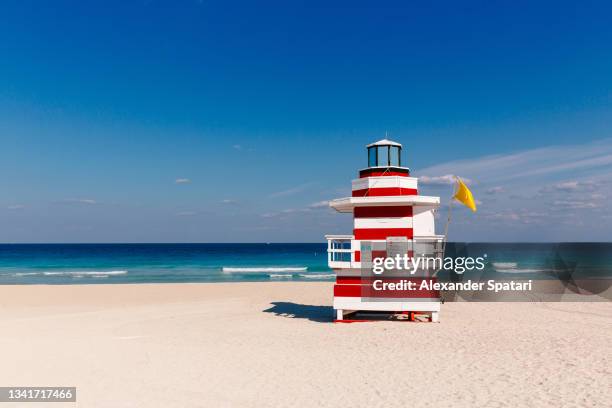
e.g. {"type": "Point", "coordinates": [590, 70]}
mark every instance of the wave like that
{"type": "Point", "coordinates": [523, 270]}
{"type": "Point", "coordinates": [504, 265]}
{"type": "Point", "coordinates": [317, 275]}
{"type": "Point", "coordinates": [280, 276]}
{"type": "Point", "coordinates": [512, 267]}
{"type": "Point", "coordinates": [264, 269]}
{"type": "Point", "coordinates": [82, 274]}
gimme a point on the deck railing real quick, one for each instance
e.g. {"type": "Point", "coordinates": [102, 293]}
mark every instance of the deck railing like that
{"type": "Point", "coordinates": [339, 251]}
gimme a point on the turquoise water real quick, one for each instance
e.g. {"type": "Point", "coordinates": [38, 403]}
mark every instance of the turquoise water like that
{"type": "Point", "coordinates": [148, 263]}
{"type": "Point", "coordinates": [140, 263]}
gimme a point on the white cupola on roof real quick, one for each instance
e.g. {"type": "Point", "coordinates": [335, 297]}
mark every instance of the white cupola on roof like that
{"type": "Point", "coordinates": [385, 142]}
{"type": "Point", "coordinates": [384, 153]}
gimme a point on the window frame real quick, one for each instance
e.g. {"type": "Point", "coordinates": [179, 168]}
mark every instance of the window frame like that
{"type": "Point", "coordinates": [377, 163]}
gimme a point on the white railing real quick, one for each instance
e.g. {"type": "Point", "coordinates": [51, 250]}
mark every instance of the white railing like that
{"type": "Point", "coordinates": [431, 245]}
{"type": "Point", "coordinates": [339, 251]}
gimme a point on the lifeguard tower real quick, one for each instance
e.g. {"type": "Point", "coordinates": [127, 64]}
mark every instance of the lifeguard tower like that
{"type": "Point", "coordinates": [390, 218]}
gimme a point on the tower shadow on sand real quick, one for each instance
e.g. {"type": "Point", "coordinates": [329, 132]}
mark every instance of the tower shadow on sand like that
{"type": "Point", "coordinates": [290, 310]}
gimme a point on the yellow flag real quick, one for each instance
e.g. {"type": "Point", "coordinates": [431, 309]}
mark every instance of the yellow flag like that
{"type": "Point", "coordinates": [464, 195]}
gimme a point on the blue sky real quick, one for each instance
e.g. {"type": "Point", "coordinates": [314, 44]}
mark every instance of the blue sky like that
{"type": "Point", "coordinates": [264, 108]}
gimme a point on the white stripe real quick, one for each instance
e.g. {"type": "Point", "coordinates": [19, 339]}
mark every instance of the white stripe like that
{"type": "Point", "coordinates": [400, 222]}
{"type": "Point", "coordinates": [384, 182]}
{"type": "Point", "coordinates": [404, 304]}
{"type": "Point", "coordinates": [347, 204]}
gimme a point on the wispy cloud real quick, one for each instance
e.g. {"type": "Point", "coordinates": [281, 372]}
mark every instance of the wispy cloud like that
{"type": "Point", "coordinates": [537, 192]}
{"type": "Point", "coordinates": [572, 186]}
{"type": "Point", "coordinates": [237, 147]}
{"type": "Point", "coordinates": [182, 181]}
{"type": "Point", "coordinates": [495, 190]}
{"type": "Point", "coordinates": [291, 191]}
{"type": "Point", "coordinates": [592, 158]}
{"type": "Point", "coordinates": [228, 201]}
{"type": "Point", "coordinates": [85, 201]}
{"type": "Point", "coordinates": [513, 216]}
{"type": "Point", "coordinates": [446, 179]}
{"type": "Point", "coordinates": [575, 204]}
{"type": "Point", "coordinates": [284, 212]}
{"type": "Point", "coordinates": [319, 204]}
{"type": "Point", "coordinates": [15, 207]}
{"type": "Point", "coordinates": [186, 213]}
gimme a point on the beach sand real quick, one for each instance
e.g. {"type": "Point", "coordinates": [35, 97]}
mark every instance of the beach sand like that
{"type": "Point", "coordinates": [272, 344]}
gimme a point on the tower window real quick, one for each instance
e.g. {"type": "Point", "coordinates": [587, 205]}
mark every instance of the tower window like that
{"type": "Point", "coordinates": [394, 156]}
{"type": "Point", "coordinates": [383, 155]}
{"type": "Point", "coordinates": [372, 157]}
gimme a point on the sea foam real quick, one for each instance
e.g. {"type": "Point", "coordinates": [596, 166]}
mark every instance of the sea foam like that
{"type": "Point", "coordinates": [83, 274]}
{"type": "Point", "coordinates": [280, 276]}
{"type": "Point", "coordinates": [505, 265]}
{"type": "Point", "coordinates": [264, 269]}
{"type": "Point", "coordinates": [512, 267]}
{"type": "Point", "coordinates": [317, 275]}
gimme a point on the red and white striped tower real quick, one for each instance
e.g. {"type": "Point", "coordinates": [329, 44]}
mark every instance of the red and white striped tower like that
{"type": "Point", "coordinates": [386, 207]}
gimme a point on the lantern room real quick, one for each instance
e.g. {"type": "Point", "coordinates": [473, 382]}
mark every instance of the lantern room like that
{"type": "Point", "coordinates": [384, 153]}
{"type": "Point", "coordinates": [384, 158]}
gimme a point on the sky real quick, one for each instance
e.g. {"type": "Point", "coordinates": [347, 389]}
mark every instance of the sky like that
{"type": "Point", "coordinates": [228, 121]}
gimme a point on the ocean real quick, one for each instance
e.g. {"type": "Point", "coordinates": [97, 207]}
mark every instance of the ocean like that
{"type": "Point", "coordinates": [149, 263]}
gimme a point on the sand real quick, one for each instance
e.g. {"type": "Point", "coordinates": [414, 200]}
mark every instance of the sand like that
{"type": "Point", "coordinates": [272, 344]}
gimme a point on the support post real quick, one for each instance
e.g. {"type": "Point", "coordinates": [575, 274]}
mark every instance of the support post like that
{"type": "Point", "coordinates": [339, 314]}
{"type": "Point", "coordinates": [435, 317]}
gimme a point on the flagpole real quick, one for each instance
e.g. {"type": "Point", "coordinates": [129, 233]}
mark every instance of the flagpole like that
{"type": "Point", "coordinates": [448, 219]}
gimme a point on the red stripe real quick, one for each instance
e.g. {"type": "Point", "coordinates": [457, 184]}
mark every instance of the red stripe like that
{"type": "Point", "coordinates": [365, 174]}
{"type": "Point", "coordinates": [369, 291]}
{"type": "Point", "coordinates": [382, 233]}
{"type": "Point", "coordinates": [354, 321]}
{"type": "Point", "coordinates": [379, 254]}
{"type": "Point", "coordinates": [367, 280]}
{"type": "Point", "coordinates": [384, 191]}
{"type": "Point", "coordinates": [383, 212]}
{"type": "Point", "coordinates": [348, 280]}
